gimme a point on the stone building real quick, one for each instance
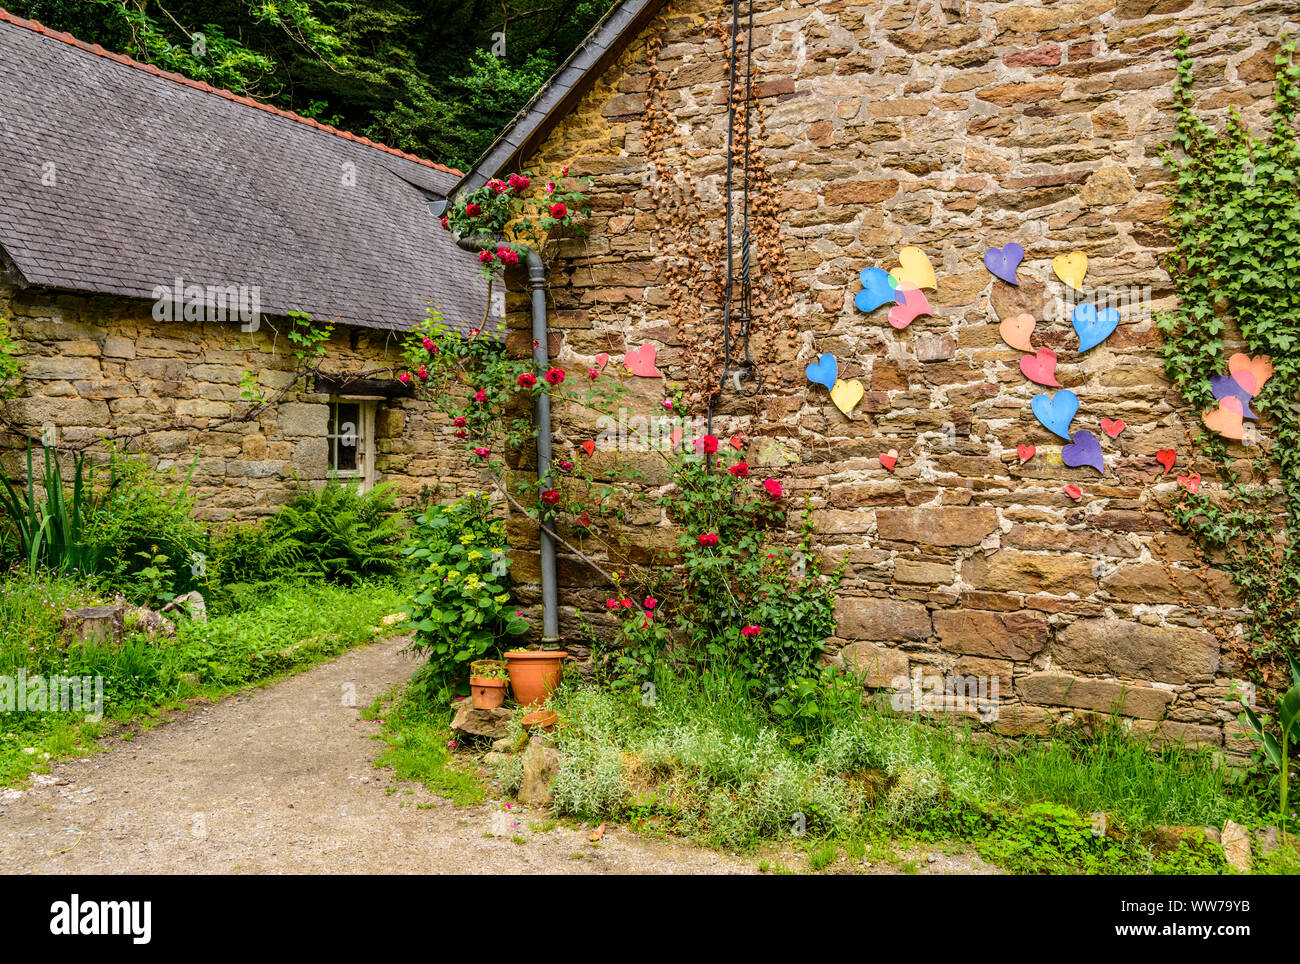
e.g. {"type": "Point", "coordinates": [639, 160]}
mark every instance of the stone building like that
{"type": "Point", "coordinates": [952, 126]}
{"type": "Point", "coordinates": [155, 236]}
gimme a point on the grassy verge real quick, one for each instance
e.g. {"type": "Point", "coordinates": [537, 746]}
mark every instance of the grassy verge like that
{"type": "Point", "coordinates": [421, 746]}
{"type": "Point", "coordinates": [703, 760]}
{"type": "Point", "coordinates": [286, 631]}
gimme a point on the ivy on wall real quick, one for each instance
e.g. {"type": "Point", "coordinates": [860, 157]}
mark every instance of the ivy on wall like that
{"type": "Point", "coordinates": [1235, 263]}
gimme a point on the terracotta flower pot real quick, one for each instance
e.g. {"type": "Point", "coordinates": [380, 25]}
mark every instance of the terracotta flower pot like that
{"type": "Point", "coordinates": [486, 693]}
{"type": "Point", "coordinates": [534, 673]}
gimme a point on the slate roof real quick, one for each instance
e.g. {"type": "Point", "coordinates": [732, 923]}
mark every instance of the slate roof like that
{"type": "Point", "coordinates": [623, 22]}
{"type": "Point", "coordinates": [157, 176]}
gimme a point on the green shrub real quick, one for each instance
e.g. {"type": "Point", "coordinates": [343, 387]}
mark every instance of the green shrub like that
{"type": "Point", "coordinates": [339, 532]}
{"type": "Point", "coordinates": [461, 608]}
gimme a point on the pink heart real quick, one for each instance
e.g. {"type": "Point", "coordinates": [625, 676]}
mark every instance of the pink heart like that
{"type": "Point", "coordinates": [914, 305]}
{"type": "Point", "coordinates": [641, 361]}
{"type": "Point", "coordinates": [676, 436]}
{"type": "Point", "coordinates": [602, 360]}
{"type": "Point", "coordinates": [1040, 367]}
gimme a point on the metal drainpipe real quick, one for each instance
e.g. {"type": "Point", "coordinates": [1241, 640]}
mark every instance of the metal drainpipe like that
{"type": "Point", "coordinates": [542, 416]}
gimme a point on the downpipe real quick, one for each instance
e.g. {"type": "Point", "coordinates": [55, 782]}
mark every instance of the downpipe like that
{"type": "Point", "coordinates": [542, 418]}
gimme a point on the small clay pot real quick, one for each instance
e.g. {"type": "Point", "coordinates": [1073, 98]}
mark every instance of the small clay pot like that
{"type": "Point", "coordinates": [534, 674]}
{"type": "Point", "coordinates": [486, 693]}
{"type": "Point", "coordinates": [540, 720]}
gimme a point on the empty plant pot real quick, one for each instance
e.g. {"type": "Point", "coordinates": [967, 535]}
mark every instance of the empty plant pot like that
{"type": "Point", "coordinates": [534, 673]}
{"type": "Point", "coordinates": [486, 693]}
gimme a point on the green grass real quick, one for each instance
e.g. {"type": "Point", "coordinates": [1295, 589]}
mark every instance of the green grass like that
{"type": "Point", "coordinates": [706, 761]}
{"type": "Point", "coordinates": [419, 736]}
{"type": "Point", "coordinates": [295, 628]}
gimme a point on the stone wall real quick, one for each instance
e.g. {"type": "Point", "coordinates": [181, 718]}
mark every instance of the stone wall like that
{"type": "Point", "coordinates": [952, 126]}
{"type": "Point", "coordinates": [95, 365]}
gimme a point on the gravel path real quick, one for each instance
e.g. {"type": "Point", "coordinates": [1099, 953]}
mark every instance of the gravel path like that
{"type": "Point", "coordinates": [282, 781]}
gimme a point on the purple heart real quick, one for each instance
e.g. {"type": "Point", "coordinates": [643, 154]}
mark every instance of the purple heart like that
{"type": "Point", "coordinates": [1002, 262]}
{"type": "Point", "coordinates": [1084, 449]}
{"type": "Point", "coordinates": [1225, 386]}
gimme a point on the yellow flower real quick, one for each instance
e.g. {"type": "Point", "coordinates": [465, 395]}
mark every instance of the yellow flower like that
{"type": "Point", "coordinates": [474, 554]}
{"type": "Point", "coordinates": [503, 598]}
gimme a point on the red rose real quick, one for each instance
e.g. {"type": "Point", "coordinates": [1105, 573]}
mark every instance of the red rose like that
{"type": "Point", "coordinates": [527, 380]}
{"type": "Point", "coordinates": [404, 378]}
{"type": "Point", "coordinates": [709, 539]}
{"type": "Point", "coordinates": [497, 185]}
{"type": "Point", "coordinates": [625, 603]}
{"type": "Point", "coordinates": [749, 632]}
{"type": "Point", "coordinates": [485, 256]}
{"type": "Point", "coordinates": [445, 225]}
{"type": "Point", "coordinates": [550, 497]}
{"type": "Point", "coordinates": [559, 211]}
{"type": "Point", "coordinates": [739, 470]}
{"type": "Point", "coordinates": [461, 433]}
{"type": "Point", "coordinates": [555, 376]}
{"type": "Point", "coordinates": [518, 182]}
{"type": "Point", "coordinates": [480, 396]}
{"type": "Point", "coordinates": [650, 602]}
{"type": "Point", "coordinates": [593, 372]}
{"type": "Point", "coordinates": [458, 421]}
{"type": "Point", "coordinates": [611, 603]}
{"type": "Point", "coordinates": [708, 444]}
{"type": "Point", "coordinates": [482, 453]}
{"type": "Point", "coordinates": [428, 344]}
{"type": "Point", "coordinates": [422, 374]}
{"type": "Point", "coordinates": [473, 210]}
{"type": "Point", "coordinates": [773, 488]}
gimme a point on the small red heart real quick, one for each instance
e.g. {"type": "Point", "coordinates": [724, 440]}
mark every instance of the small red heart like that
{"type": "Point", "coordinates": [1074, 492]}
{"type": "Point", "coordinates": [738, 441]}
{"type": "Point", "coordinates": [1167, 458]}
{"type": "Point", "coordinates": [1192, 483]}
{"type": "Point", "coordinates": [889, 459]}
{"type": "Point", "coordinates": [1026, 452]}
{"type": "Point", "coordinates": [1113, 427]}
{"type": "Point", "coordinates": [589, 446]}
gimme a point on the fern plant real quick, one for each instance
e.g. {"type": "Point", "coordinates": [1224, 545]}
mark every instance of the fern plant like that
{"type": "Point", "coordinates": [341, 533]}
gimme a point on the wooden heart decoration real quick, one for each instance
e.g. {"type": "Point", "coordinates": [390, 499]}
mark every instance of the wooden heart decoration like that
{"type": "Point", "coordinates": [914, 270]}
{"type": "Point", "coordinates": [1113, 427]}
{"type": "Point", "coordinates": [1071, 268]}
{"type": "Point", "coordinates": [1015, 331]}
{"type": "Point", "coordinates": [1040, 368]}
{"type": "Point", "coordinates": [911, 305]}
{"type": "Point", "coordinates": [641, 361]}
{"type": "Point", "coordinates": [1192, 483]}
{"type": "Point", "coordinates": [738, 442]}
{"type": "Point", "coordinates": [1025, 452]}
{"type": "Point", "coordinates": [1226, 419]}
{"type": "Point", "coordinates": [676, 436]}
{"type": "Point", "coordinates": [1260, 368]}
{"type": "Point", "coordinates": [1167, 458]}
{"type": "Point", "coordinates": [823, 371]}
{"type": "Point", "coordinates": [1055, 412]}
{"type": "Point", "coordinates": [589, 446]}
{"type": "Point", "coordinates": [602, 360]}
{"type": "Point", "coordinates": [846, 395]}
{"type": "Point", "coordinates": [1074, 492]}
{"type": "Point", "coordinates": [879, 287]}
{"type": "Point", "coordinates": [889, 459]}
{"type": "Point", "coordinates": [1002, 262]}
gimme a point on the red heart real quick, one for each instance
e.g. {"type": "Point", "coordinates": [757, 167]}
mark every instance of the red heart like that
{"type": "Point", "coordinates": [889, 459]}
{"type": "Point", "coordinates": [602, 360]}
{"type": "Point", "coordinates": [589, 446]}
{"type": "Point", "coordinates": [1192, 483]}
{"type": "Point", "coordinates": [641, 361]}
{"type": "Point", "coordinates": [1040, 367]}
{"type": "Point", "coordinates": [1167, 458]}
{"type": "Point", "coordinates": [1113, 427]}
{"type": "Point", "coordinates": [1074, 492]}
{"type": "Point", "coordinates": [1026, 452]}
{"type": "Point", "coordinates": [738, 441]}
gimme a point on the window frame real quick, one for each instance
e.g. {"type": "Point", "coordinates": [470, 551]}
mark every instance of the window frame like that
{"type": "Point", "coordinates": [367, 405]}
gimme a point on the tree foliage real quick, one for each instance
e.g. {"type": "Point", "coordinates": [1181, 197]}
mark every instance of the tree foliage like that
{"type": "Point", "coordinates": [439, 79]}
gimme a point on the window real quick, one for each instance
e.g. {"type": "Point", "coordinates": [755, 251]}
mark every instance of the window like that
{"type": "Point", "coordinates": [351, 439]}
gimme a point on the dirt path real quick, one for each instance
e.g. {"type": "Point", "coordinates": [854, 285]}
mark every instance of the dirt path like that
{"type": "Point", "coordinates": [282, 781]}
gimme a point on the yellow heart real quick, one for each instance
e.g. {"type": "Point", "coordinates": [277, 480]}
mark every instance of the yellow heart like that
{"type": "Point", "coordinates": [913, 271]}
{"type": "Point", "coordinates": [1071, 268]}
{"type": "Point", "coordinates": [845, 395]}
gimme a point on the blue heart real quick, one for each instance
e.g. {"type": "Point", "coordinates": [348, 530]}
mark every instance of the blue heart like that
{"type": "Point", "coordinates": [1224, 385]}
{"type": "Point", "coordinates": [1084, 449]}
{"type": "Point", "coordinates": [823, 371]}
{"type": "Point", "coordinates": [1094, 328]}
{"type": "Point", "coordinates": [878, 288]}
{"type": "Point", "coordinates": [1002, 262]}
{"type": "Point", "coordinates": [1056, 412]}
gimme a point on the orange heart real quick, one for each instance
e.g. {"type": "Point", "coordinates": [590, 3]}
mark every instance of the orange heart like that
{"type": "Point", "coordinates": [589, 446]}
{"type": "Point", "coordinates": [1015, 331]}
{"type": "Point", "coordinates": [889, 459]}
{"type": "Point", "coordinates": [1226, 419]}
{"type": "Point", "coordinates": [1261, 367]}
